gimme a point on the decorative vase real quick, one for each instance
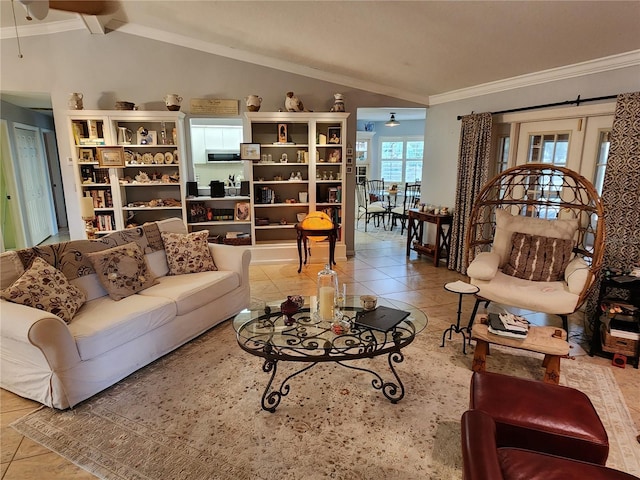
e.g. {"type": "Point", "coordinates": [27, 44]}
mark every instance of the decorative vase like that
{"type": "Point", "coordinates": [338, 103]}
{"type": "Point", "coordinates": [289, 308]}
{"type": "Point", "coordinates": [75, 101]}
{"type": "Point", "coordinates": [253, 103]}
{"type": "Point", "coordinates": [172, 101]}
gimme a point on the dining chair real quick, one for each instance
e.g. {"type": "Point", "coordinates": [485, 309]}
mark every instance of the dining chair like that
{"type": "Point", "coordinates": [366, 208]}
{"type": "Point", "coordinates": [410, 200]}
{"type": "Point", "coordinates": [375, 189]}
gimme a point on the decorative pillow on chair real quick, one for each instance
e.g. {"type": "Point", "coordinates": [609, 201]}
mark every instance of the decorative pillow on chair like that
{"type": "Point", "coordinates": [122, 270]}
{"type": "Point", "coordinates": [46, 288]}
{"type": "Point", "coordinates": [506, 224]}
{"type": "Point", "coordinates": [188, 253]}
{"type": "Point", "coordinates": [541, 259]}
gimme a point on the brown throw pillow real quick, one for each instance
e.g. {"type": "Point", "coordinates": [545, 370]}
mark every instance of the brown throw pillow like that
{"type": "Point", "coordinates": [537, 258]}
{"type": "Point", "coordinates": [122, 270]}
{"type": "Point", "coordinates": [188, 253]}
{"type": "Point", "coordinates": [46, 288]}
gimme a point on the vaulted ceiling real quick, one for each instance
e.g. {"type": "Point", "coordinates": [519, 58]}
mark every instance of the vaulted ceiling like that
{"type": "Point", "coordinates": [414, 50]}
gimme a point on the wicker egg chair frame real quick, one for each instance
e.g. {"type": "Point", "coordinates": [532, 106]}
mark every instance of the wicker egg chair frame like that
{"type": "Point", "coordinates": [533, 190]}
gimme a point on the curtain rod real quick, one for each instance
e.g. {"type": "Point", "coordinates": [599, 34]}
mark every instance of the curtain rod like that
{"type": "Point", "coordinates": [577, 102]}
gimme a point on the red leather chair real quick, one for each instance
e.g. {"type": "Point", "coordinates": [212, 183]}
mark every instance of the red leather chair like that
{"type": "Point", "coordinates": [484, 460]}
{"type": "Point", "coordinates": [541, 417]}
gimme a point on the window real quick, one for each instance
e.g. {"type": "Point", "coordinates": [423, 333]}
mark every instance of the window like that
{"type": "Point", "coordinates": [601, 160]}
{"type": "Point", "coordinates": [503, 154]}
{"type": "Point", "coordinates": [401, 159]}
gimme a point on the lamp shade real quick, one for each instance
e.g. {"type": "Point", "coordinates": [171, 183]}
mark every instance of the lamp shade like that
{"type": "Point", "coordinates": [316, 221]}
{"type": "Point", "coordinates": [86, 208]}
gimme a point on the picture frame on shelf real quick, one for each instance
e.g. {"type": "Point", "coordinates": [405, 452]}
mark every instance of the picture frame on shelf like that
{"type": "Point", "coordinates": [333, 135]}
{"type": "Point", "coordinates": [249, 151]}
{"type": "Point", "coordinates": [349, 151]}
{"type": "Point", "coordinates": [334, 155]}
{"type": "Point", "coordinates": [282, 133]}
{"type": "Point", "coordinates": [111, 157]}
{"type": "Point", "coordinates": [349, 160]}
{"type": "Point", "coordinates": [85, 155]}
{"type": "Point", "coordinates": [151, 138]}
{"type": "Point", "coordinates": [349, 170]}
{"type": "Point", "coordinates": [242, 211]}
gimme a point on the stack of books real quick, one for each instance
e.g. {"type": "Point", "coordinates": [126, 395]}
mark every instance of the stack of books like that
{"type": "Point", "coordinates": [508, 325]}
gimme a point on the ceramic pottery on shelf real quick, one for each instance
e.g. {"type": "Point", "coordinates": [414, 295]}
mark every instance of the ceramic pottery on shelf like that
{"type": "Point", "coordinates": [253, 103]}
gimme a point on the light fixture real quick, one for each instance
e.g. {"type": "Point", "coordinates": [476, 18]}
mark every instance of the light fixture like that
{"type": "Point", "coordinates": [392, 121]}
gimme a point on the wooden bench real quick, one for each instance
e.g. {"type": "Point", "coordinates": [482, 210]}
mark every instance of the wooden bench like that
{"type": "Point", "coordinates": [550, 341]}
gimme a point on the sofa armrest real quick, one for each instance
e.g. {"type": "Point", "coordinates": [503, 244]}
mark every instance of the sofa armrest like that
{"type": "Point", "coordinates": [232, 258]}
{"type": "Point", "coordinates": [479, 451]}
{"type": "Point", "coordinates": [41, 329]}
{"type": "Point", "coordinates": [484, 266]}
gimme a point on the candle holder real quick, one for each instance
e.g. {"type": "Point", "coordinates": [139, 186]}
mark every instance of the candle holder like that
{"type": "Point", "coordinates": [327, 290]}
{"type": "Point", "coordinates": [88, 214]}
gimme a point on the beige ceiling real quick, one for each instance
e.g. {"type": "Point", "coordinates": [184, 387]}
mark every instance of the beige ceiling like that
{"type": "Point", "coordinates": [411, 50]}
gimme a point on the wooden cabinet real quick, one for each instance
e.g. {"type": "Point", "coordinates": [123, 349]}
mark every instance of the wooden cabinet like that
{"type": "Point", "coordinates": [150, 186]}
{"type": "Point", "coordinates": [299, 171]}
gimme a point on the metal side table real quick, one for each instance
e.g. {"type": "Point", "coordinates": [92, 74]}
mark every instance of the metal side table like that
{"type": "Point", "coordinates": [461, 288]}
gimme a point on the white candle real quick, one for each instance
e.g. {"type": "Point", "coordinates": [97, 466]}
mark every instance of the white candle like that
{"type": "Point", "coordinates": [325, 304]}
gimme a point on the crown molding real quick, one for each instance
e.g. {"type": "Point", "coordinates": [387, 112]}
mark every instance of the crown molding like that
{"type": "Point", "coordinates": [263, 60]}
{"type": "Point", "coordinates": [613, 62]}
{"type": "Point", "coordinates": [46, 28]}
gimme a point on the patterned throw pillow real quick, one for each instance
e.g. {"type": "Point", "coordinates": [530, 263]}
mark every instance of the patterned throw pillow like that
{"type": "Point", "coordinates": [537, 258]}
{"type": "Point", "coordinates": [188, 253]}
{"type": "Point", "coordinates": [46, 288]}
{"type": "Point", "coordinates": [122, 270]}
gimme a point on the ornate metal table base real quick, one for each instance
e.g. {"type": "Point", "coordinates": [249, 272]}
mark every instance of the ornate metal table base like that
{"type": "Point", "coordinates": [393, 391]}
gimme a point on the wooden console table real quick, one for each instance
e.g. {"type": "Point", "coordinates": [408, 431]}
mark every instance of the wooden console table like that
{"type": "Point", "coordinates": [415, 232]}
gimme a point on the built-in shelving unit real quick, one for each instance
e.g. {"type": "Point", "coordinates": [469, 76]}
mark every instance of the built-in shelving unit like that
{"type": "Point", "coordinates": [299, 171]}
{"type": "Point", "coordinates": [150, 185]}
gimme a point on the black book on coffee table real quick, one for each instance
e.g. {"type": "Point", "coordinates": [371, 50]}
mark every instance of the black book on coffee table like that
{"type": "Point", "coordinates": [381, 318]}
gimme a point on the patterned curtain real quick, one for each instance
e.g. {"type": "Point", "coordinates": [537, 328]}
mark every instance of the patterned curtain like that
{"type": "Point", "coordinates": [621, 190]}
{"type": "Point", "coordinates": [473, 173]}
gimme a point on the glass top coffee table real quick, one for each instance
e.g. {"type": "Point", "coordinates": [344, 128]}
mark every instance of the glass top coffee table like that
{"type": "Point", "coordinates": [267, 333]}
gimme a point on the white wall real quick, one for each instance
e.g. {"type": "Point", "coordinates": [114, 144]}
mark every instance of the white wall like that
{"type": "Point", "coordinates": [443, 128]}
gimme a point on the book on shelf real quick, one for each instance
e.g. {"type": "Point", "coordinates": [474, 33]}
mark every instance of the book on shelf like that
{"type": "Point", "coordinates": [624, 328]}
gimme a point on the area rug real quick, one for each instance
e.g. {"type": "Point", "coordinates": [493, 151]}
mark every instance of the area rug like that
{"type": "Point", "coordinates": [195, 414]}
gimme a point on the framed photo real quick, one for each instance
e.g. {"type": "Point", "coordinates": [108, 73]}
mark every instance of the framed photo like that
{"type": "Point", "coordinates": [111, 157]}
{"type": "Point", "coordinates": [349, 151]}
{"type": "Point", "coordinates": [334, 155]}
{"type": "Point", "coordinates": [242, 211]}
{"type": "Point", "coordinates": [282, 133]}
{"type": "Point", "coordinates": [86, 155]}
{"type": "Point", "coordinates": [250, 151]}
{"type": "Point", "coordinates": [333, 135]}
{"type": "Point", "coordinates": [349, 160]}
{"type": "Point", "coordinates": [349, 170]}
{"type": "Point", "coordinates": [151, 138]}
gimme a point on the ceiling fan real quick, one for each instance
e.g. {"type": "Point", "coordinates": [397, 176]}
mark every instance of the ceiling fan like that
{"type": "Point", "coordinates": [40, 8]}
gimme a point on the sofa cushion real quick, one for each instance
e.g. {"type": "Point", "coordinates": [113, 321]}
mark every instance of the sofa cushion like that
{"type": "Point", "coordinates": [545, 297]}
{"type": "Point", "coordinates": [506, 224]}
{"type": "Point", "coordinates": [538, 258]}
{"type": "Point", "coordinates": [194, 290]}
{"type": "Point", "coordinates": [188, 253]}
{"type": "Point", "coordinates": [122, 270]}
{"type": "Point", "coordinates": [10, 268]}
{"type": "Point", "coordinates": [44, 287]}
{"type": "Point", "coordinates": [104, 324]}
{"type": "Point", "coordinates": [484, 266]}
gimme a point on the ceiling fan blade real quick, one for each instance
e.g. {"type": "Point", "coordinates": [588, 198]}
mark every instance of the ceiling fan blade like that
{"type": "Point", "coordinates": [86, 7]}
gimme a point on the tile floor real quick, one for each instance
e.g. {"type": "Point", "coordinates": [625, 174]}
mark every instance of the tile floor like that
{"type": "Point", "coordinates": [380, 267]}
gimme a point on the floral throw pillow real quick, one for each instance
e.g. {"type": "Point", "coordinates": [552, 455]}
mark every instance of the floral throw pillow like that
{"type": "Point", "coordinates": [188, 253]}
{"type": "Point", "coordinates": [122, 270]}
{"type": "Point", "coordinates": [46, 288]}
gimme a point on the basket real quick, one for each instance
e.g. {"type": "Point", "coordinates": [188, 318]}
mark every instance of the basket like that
{"type": "Point", "coordinates": [237, 241]}
{"type": "Point", "coordinates": [611, 344]}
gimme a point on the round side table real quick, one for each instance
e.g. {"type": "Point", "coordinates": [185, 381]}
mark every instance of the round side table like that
{"type": "Point", "coordinates": [461, 288]}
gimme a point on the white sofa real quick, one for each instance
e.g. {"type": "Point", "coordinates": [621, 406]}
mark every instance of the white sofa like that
{"type": "Point", "coordinates": [59, 364]}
